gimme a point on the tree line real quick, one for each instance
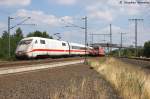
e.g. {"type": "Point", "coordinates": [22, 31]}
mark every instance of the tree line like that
{"type": "Point", "coordinates": [14, 40]}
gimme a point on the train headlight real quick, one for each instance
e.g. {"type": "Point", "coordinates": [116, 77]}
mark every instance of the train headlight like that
{"type": "Point", "coordinates": [20, 53]}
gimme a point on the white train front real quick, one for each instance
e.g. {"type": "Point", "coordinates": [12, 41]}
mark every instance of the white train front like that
{"type": "Point", "coordinates": [33, 47]}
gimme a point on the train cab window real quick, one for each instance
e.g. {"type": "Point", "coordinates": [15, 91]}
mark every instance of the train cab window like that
{"type": "Point", "coordinates": [63, 44]}
{"type": "Point", "coordinates": [25, 42]}
{"type": "Point", "coordinates": [36, 42]}
{"type": "Point", "coordinates": [42, 41]}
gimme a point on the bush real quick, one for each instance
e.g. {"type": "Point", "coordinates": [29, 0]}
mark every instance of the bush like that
{"type": "Point", "coordinates": [146, 51]}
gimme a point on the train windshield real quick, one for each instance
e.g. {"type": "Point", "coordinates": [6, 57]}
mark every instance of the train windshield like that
{"type": "Point", "coordinates": [25, 42]}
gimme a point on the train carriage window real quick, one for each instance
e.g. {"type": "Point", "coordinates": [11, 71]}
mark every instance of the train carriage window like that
{"type": "Point", "coordinates": [76, 47]}
{"type": "Point", "coordinates": [42, 41]}
{"type": "Point", "coordinates": [63, 44]}
{"type": "Point", "coordinates": [82, 48]}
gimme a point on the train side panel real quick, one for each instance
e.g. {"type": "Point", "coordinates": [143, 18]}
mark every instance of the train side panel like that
{"type": "Point", "coordinates": [55, 47]}
{"type": "Point", "coordinates": [77, 49]}
{"type": "Point", "coordinates": [42, 46]}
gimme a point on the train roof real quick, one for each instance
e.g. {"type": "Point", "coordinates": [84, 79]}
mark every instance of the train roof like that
{"type": "Point", "coordinates": [81, 45]}
{"type": "Point", "coordinates": [27, 38]}
{"type": "Point", "coordinates": [77, 44]}
{"type": "Point", "coordinates": [74, 44]}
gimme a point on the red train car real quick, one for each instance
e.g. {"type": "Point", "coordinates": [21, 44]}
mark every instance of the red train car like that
{"type": "Point", "coordinates": [101, 51]}
{"type": "Point", "coordinates": [97, 51]}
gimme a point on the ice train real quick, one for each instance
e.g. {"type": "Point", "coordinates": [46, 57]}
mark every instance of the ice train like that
{"type": "Point", "coordinates": [32, 47]}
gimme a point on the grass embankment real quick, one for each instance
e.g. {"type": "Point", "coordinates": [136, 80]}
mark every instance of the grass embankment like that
{"type": "Point", "coordinates": [130, 82]}
{"type": "Point", "coordinates": [86, 89]}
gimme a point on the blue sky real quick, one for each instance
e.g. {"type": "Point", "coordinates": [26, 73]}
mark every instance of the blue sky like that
{"type": "Point", "coordinates": [53, 15]}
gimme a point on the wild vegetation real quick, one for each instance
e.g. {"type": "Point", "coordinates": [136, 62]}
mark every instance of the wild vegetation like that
{"type": "Point", "coordinates": [14, 40]}
{"type": "Point", "coordinates": [131, 82]}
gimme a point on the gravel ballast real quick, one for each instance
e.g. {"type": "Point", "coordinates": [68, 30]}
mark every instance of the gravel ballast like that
{"type": "Point", "coordinates": [44, 84]}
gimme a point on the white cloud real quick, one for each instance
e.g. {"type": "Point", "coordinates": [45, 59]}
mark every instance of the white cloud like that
{"type": "Point", "coordinates": [66, 2]}
{"type": "Point", "coordinates": [109, 10]}
{"type": "Point", "coordinates": [67, 19]}
{"type": "Point", "coordinates": [113, 2]}
{"type": "Point", "coordinates": [101, 11]}
{"type": "Point", "coordinates": [130, 9]}
{"type": "Point", "coordinates": [104, 15]}
{"type": "Point", "coordinates": [40, 18]}
{"type": "Point", "coordinates": [15, 2]}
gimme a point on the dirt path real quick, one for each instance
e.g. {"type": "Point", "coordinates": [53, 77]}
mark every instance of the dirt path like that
{"type": "Point", "coordinates": [72, 82]}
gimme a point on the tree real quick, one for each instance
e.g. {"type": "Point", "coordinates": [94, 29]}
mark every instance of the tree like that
{"type": "Point", "coordinates": [35, 34]}
{"type": "Point", "coordinates": [45, 35]}
{"type": "Point", "coordinates": [4, 44]}
{"type": "Point", "coordinates": [126, 52]}
{"type": "Point", "coordinates": [146, 50]}
{"type": "Point", "coordinates": [39, 34]}
{"type": "Point", "coordinates": [5, 35]}
{"type": "Point", "coordinates": [18, 33]}
{"type": "Point", "coordinates": [15, 38]}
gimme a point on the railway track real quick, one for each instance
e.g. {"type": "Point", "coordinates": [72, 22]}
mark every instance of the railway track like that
{"type": "Point", "coordinates": [20, 69]}
{"type": "Point", "coordinates": [34, 62]}
{"type": "Point", "coordinates": [138, 58]}
{"type": "Point", "coordinates": [140, 62]}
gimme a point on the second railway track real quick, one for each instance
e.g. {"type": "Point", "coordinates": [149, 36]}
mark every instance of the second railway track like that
{"type": "Point", "coordinates": [143, 63]}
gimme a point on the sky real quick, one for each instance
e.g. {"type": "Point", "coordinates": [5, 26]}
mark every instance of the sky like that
{"type": "Point", "coordinates": [54, 15]}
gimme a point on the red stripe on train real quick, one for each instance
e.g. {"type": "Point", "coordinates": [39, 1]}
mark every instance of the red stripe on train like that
{"type": "Point", "coordinates": [56, 50]}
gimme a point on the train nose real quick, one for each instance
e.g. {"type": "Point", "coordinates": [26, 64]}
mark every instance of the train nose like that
{"type": "Point", "coordinates": [21, 50]}
{"type": "Point", "coordinates": [21, 55]}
